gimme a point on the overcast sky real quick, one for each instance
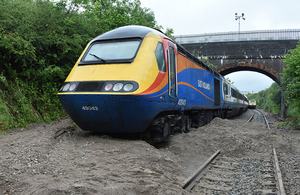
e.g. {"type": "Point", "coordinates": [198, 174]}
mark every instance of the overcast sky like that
{"type": "Point", "coordinates": [208, 16]}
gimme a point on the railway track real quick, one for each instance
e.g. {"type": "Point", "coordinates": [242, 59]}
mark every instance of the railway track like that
{"type": "Point", "coordinates": [258, 116]}
{"type": "Point", "coordinates": [221, 174]}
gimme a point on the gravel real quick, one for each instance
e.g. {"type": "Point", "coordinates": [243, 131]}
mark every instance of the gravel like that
{"type": "Point", "coordinates": [59, 158]}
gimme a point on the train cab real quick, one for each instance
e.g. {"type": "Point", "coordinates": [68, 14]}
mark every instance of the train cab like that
{"type": "Point", "coordinates": [252, 104]}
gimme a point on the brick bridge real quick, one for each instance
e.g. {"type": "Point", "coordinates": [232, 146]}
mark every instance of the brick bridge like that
{"type": "Point", "coordinates": [259, 51]}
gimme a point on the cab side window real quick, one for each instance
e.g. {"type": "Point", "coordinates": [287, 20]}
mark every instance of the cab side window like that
{"type": "Point", "coordinates": [172, 62]}
{"type": "Point", "coordinates": [160, 57]}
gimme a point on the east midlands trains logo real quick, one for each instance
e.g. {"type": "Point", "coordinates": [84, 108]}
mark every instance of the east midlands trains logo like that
{"type": "Point", "coordinates": [204, 85]}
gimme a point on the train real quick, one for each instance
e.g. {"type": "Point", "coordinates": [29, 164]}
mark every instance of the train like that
{"type": "Point", "coordinates": [136, 79]}
{"type": "Point", "coordinates": [252, 104]}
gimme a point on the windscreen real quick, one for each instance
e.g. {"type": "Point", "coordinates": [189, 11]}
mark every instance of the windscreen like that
{"type": "Point", "coordinates": [114, 51]}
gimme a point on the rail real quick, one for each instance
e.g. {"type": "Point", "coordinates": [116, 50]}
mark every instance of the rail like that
{"type": "Point", "coordinates": [250, 119]}
{"type": "Point", "coordinates": [225, 175]}
{"type": "Point", "coordinates": [278, 174]}
{"type": "Point", "coordinates": [191, 181]}
{"type": "Point", "coordinates": [258, 35]}
{"type": "Point", "coordinates": [264, 117]}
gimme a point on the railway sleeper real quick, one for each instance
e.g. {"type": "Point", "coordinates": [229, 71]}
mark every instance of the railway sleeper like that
{"type": "Point", "coordinates": [215, 187]}
{"type": "Point", "coordinates": [218, 179]}
{"type": "Point", "coordinates": [266, 191]}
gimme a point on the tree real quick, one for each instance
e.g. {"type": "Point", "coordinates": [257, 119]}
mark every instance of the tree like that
{"type": "Point", "coordinates": [39, 34]}
{"type": "Point", "coordinates": [35, 35]}
{"type": "Point", "coordinates": [41, 40]}
{"type": "Point", "coordinates": [169, 32]}
{"type": "Point", "coordinates": [106, 15]}
{"type": "Point", "coordinates": [228, 80]}
{"type": "Point", "coordinates": [291, 83]}
{"type": "Point", "coordinates": [291, 76]}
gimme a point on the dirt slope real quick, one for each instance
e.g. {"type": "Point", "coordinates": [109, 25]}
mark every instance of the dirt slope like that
{"type": "Point", "coordinates": [59, 158]}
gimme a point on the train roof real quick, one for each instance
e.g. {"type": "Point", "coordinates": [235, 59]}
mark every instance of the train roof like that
{"type": "Point", "coordinates": [142, 31]}
{"type": "Point", "coordinates": [127, 32]}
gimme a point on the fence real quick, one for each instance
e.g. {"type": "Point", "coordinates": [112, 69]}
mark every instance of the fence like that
{"type": "Point", "coordinates": [259, 35]}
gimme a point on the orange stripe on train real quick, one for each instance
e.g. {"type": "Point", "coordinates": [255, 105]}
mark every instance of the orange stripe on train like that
{"type": "Point", "coordinates": [162, 78]}
{"type": "Point", "coordinates": [187, 84]}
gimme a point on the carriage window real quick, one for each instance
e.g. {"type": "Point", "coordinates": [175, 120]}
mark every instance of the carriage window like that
{"type": "Point", "coordinates": [160, 57]}
{"type": "Point", "coordinates": [225, 86]}
{"type": "Point", "coordinates": [241, 96]}
{"type": "Point", "coordinates": [112, 51]}
{"type": "Point", "coordinates": [233, 93]}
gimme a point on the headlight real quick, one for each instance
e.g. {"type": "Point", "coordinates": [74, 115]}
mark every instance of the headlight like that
{"type": "Point", "coordinates": [72, 87]}
{"type": "Point", "coordinates": [128, 87]}
{"type": "Point", "coordinates": [100, 86]}
{"type": "Point", "coordinates": [69, 87]}
{"type": "Point", "coordinates": [108, 87]}
{"type": "Point", "coordinates": [66, 87]}
{"type": "Point", "coordinates": [118, 86]}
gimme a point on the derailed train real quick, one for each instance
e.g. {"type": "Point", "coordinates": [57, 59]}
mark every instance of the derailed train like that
{"type": "Point", "coordinates": [135, 79]}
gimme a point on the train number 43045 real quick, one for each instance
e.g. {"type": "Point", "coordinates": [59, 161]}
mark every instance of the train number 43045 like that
{"type": "Point", "coordinates": [90, 108]}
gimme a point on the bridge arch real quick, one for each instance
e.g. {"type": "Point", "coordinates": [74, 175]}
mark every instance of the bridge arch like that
{"type": "Point", "coordinates": [249, 66]}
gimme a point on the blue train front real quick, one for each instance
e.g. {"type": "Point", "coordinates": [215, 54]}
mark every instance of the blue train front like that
{"type": "Point", "coordinates": [137, 80]}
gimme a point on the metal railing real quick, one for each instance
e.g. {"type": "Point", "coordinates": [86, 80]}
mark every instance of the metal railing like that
{"type": "Point", "coordinates": [259, 35]}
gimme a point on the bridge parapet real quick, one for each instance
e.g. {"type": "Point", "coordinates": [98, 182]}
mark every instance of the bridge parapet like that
{"type": "Point", "coordinates": [259, 35]}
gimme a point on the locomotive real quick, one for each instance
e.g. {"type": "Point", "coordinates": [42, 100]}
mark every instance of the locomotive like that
{"type": "Point", "coordinates": [252, 104]}
{"type": "Point", "coordinates": [135, 79]}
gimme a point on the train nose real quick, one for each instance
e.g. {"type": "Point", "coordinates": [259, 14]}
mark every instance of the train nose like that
{"type": "Point", "coordinates": [109, 114]}
{"type": "Point", "coordinates": [95, 115]}
{"type": "Point", "coordinates": [88, 114]}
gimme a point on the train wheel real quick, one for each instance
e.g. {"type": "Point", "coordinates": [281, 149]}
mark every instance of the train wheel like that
{"type": "Point", "coordinates": [185, 124]}
{"type": "Point", "coordinates": [199, 120]}
{"type": "Point", "coordinates": [182, 123]}
{"type": "Point", "coordinates": [188, 124]}
{"type": "Point", "coordinates": [208, 117]}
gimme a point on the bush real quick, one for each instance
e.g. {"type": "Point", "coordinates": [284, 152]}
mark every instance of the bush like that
{"type": "Point", "coordinates": [41, 40]}
{"type": "Point", "coordinates": [268, 99]}
{"type": "Point", "coordinates": [291, 83]}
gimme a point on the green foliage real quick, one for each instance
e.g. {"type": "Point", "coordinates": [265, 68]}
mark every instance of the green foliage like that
{"type": "Point", "coordinates": [110, 14]}
{"type": "Point", "coordinates": [293, 113]}
{"type": "Point", "coordinates": [169, 32]}
{"type": "Point", "coordinates": [291, 75]}
{"type": "Point", "coordinates": [291, 83]}
{"type": "Point", "coordinates": [30, 43]}
{"type": "Point", "coordinates": [228, 80]}
{"type": "Point", "coordinates": [268, 99]}
{"type": "Point", "coordinates": [203, 58]}
{"type": "Point", "coordinates": [21, 103]}
{"type": "Point", "coordinates": [40, 41]}
{"type": "Point", "coordinates": [37, 48]}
